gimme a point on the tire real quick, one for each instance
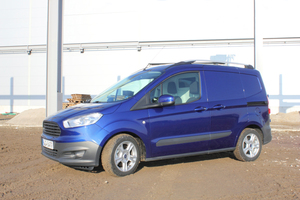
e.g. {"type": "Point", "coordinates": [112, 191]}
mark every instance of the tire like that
{"type": "Point", "coordinates": [121, 155]}
{"type": "Point", "coordinates": [249, 145]}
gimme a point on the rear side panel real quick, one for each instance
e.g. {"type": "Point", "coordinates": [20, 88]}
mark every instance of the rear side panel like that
{"type": "Point", "coordinates": [257, 102]}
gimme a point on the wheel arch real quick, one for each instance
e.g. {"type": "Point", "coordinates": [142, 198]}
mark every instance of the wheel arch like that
{"type": "Point", "coordinates": [251, 126]}
{"type": "Point", "coordinates": [138, 139]}
{"type": "Point", "coordinates": [135, 129]}
{"type": "Point", "coordinates": [257, 128]}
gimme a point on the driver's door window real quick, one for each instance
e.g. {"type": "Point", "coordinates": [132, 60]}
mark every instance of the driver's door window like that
{"type": "Point", "coordinates": [183, 87]}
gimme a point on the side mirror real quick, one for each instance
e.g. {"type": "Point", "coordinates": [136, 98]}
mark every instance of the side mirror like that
{"type": "Point", "coordinates": [166, 100]}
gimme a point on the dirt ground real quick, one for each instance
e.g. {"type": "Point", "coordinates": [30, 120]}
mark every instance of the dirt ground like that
{"type": "Point", "coordinates": [26, 174]}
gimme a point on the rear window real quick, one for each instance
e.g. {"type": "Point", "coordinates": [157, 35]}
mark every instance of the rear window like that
{"type": "Point", "coordinates": [251, 84]}
{"type": "Point", "coordinates": [223, 86]}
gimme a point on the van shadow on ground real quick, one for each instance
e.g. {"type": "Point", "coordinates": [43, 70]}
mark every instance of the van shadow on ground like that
{"type": "Point", "coordinates": [173, 161]}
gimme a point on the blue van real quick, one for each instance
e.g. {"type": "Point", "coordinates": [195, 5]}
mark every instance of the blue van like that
{"type": "Point", "coordinates": [161, 112]}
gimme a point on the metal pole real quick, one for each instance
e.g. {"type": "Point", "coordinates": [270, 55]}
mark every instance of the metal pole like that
{"type": "Point", "coordinates": [54, 57]}
{"type": "Point", "coordinates": [258, 36]}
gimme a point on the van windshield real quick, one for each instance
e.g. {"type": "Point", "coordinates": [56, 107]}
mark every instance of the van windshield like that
{"type": "Point", "coordinates": [127, 88]}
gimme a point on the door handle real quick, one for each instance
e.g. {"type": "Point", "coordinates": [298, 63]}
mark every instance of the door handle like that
{"type": "Point", "coordinates": [218, 107]}
{"type": "Point", "coordinates": [200, 109]}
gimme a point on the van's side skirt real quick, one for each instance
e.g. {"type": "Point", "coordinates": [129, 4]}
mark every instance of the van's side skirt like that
{"type": "Point", "coordinates": [190, 154]}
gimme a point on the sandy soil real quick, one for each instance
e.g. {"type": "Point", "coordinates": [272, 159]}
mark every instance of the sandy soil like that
{"type": "Point", "coordinates": [26, 174]}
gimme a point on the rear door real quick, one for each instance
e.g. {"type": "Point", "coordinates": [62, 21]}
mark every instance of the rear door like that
{"type": "Point", "coordinates": [228, 107]}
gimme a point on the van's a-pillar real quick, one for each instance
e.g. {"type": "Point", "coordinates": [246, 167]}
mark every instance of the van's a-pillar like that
{"type": "Point", "coordinates": [54, 57]}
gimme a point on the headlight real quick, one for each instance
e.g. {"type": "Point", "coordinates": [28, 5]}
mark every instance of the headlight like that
{"type": "Point", "coordinates": [83, 120]}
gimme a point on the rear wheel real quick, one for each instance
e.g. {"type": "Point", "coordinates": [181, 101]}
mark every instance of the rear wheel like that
{"type": "Point", "coordinates": [121, 155]}
{"type": "Point", "coordinates": [249, 145]}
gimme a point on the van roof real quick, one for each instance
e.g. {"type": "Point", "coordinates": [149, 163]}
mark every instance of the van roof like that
{"type": "Point", "coordinates": [163, 66]}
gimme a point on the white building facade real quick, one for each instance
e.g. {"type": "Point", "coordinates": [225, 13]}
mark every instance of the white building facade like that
{"type": "Point", "coordinates": [105, 40]}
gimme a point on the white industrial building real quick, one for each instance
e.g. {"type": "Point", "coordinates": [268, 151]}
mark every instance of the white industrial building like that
{"type": "Point", "coordinates": [105, 40]}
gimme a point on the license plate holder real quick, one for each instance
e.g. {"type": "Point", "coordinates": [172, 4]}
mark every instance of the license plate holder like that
{"type": "Point", "coordinates": [48, 144]}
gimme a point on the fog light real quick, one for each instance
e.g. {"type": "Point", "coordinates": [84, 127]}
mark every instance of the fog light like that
{"type": "Point", "coordinates": [79, 154]}
{"type": "Point", "coordinates": [69, 155]}
{"type": "Point", "coordinates": [74, 154]}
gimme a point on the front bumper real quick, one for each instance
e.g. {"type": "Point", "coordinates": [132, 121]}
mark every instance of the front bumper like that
{"type": "Point", "coordinates": [75, 154]}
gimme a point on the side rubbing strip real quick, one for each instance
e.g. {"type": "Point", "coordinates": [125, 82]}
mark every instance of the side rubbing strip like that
{"type": "Point", "coordinates": [257, 103]}
{"type": "Point", "coordinates": [219, 135]}
{"type": "Point", "coordinates": [182, 140]}
{"type": "Point", "coordinates": [198, 138]}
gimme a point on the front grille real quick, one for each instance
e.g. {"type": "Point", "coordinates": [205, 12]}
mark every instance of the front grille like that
{"type": "Point", "coordinates": [50, 152]}
{"type": "Point", "coordinates": [51, 128]}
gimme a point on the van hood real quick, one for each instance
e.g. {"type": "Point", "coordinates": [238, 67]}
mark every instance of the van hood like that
{"type": "Point", "coordinates": [85, 108]}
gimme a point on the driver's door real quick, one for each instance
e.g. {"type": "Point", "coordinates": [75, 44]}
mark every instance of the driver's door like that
{"type": "Point", "coordinates": [183, 127]}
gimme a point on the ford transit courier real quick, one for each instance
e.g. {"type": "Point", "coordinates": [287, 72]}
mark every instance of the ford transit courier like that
{"type": "Point", "coordinates": [161, 112]}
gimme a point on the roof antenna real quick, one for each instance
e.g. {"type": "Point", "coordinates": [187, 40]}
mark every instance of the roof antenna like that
{"type": "Point", "coordinates": [157, 54]}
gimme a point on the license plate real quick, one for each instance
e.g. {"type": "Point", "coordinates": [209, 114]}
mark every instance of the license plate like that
{"type": "Point", "coordinates": [48, 144]}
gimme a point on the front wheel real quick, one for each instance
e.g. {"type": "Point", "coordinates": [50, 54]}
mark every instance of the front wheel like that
{"type": "Point", "coordinates": [249, 145]}
{"type": "Point", "coordinates": [121, 155]}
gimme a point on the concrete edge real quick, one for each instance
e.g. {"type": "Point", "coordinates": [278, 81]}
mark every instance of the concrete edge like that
{"type": "Point", "coordinates": [23, 125]}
